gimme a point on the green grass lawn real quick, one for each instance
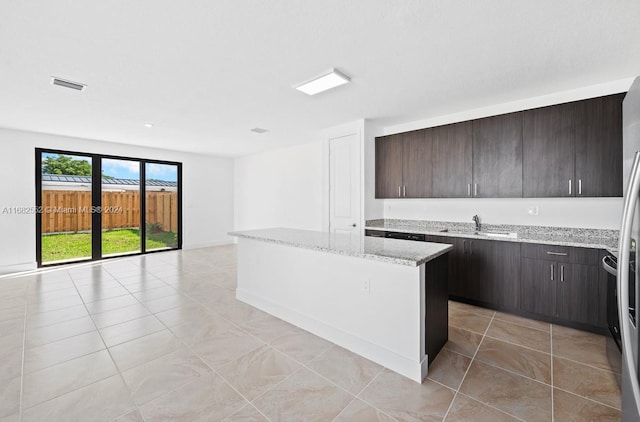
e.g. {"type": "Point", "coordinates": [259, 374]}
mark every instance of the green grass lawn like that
{"type": "Point", "coordinates": [56, 247]}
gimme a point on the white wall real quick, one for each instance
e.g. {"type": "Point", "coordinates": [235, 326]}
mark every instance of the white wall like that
{"type": "Point", "coordinates": [603, 213]}
{"type": "Point", "coordinates": [373, 208]}
{"type": "Point", "coordinates": [280, 188]}
{"type": "Point", "coordinates": [207, 191]}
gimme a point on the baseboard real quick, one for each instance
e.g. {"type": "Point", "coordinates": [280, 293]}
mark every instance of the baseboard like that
{"type": "Point", "coordinates": [17, 268]}
{"type": "Point", "coordinates": [208, 244]}
{"type": "Point", "coordinates": [416, 371]}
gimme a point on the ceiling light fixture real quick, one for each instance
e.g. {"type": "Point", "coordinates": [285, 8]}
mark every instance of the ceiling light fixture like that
{"type": "Point", "coordinates": [259, 130]}
{"type": "Point", "coordinates": [68, 84]}
{"type": "Point", "coordinates": [148, 125]}
{"type": "Point", "coordinates": [324, 82]}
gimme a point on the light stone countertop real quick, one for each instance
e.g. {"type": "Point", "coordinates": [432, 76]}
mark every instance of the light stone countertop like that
{"type": "Point", "coordinates": [378, 249]}
{"type": "Point", "coordinates": [562, 236]}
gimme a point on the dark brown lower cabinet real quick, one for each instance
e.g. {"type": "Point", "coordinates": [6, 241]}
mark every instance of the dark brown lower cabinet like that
{"type": "Point", "coordinates": [537, 289]}
{"type": "Point", "coordinates": [578, 294]}
{"type": "Point", "coordinates": [458, 267]}
{"type": "Point", "coordinates": [563, 283]}
{"type": "Point", "coordinates": [559, 284]}
{"type": "Point", "coordinates": [494, 268]}
{"type": "Point", "coordinates": [483, 271]}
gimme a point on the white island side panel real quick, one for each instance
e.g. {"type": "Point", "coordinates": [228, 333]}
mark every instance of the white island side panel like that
{"type": "Point", "coordinates": [375, 309]}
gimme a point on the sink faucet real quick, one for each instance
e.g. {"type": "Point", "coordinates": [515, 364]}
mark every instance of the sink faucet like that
{"type": "Point", "coordinates": [477, 221]}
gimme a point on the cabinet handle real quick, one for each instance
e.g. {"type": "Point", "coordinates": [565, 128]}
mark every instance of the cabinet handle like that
{"type": "Point", "coordinates": [569, 186]}
{"type": "Point", "coordinates": [579, 186]}
{"type": "Point", "coordinates": [468, 189]}
{"type": "Point", "coordinates": [399, 191]}
{"type": "Point", "coordinates": [552, 272]}
{"type": "Point", "coordinates": [475, 189]}
{"type": "Point", "coordinates": [404, 191]}
{"type": "Point", "coordinates": [562, 273]}
{"type": "Point", "coordinates": [557, 253]}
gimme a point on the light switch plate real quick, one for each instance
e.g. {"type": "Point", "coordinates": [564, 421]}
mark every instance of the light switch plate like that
{"type": "Point", "coordinates": [535, 210]}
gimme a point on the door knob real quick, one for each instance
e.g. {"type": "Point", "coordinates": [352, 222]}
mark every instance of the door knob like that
{"type": "Point", "coordinates": [353, 225]}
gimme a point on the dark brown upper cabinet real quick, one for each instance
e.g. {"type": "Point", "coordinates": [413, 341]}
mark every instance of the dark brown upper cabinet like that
{"type": "Point", "coordinates": [549, 151]}
{"type": "Point", "coordinates": [599, 146]}
{"type": "Point", "coordinates": [389, 166]}
{"type": "Point", "coordinates": [566, 150]}
{"type": "Point", "coordinates": [574, 149]}
{"type": "Point", "coordinates": [404, 160]}
{"type": "Point", "coordinates": [416, 171]}
{"type": "Point", "coordinates": [497, 156]}
{"type": "Point", "coordinates": [451, 160]}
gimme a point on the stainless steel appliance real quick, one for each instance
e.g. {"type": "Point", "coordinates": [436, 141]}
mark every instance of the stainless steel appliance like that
{"type": "Point", "coordinates": [627, 280]}
{"type": "Point", "coordinates": [610, 264]}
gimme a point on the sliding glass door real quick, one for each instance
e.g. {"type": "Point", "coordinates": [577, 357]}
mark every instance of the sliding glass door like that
{"type": "Point", "coordinates": [120, 207]}
{"type": "Point", "coordinates": [94, 206]}
{"type": "Point", "coordinates": [65, 208]}
{"type": "Point", "coordinates": [161, 206]}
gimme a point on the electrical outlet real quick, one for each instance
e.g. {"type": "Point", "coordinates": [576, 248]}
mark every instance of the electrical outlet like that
{"type": "Point", "coordinates": [366, 286]}
{"type": "Point", "coordinates": [535, 210]}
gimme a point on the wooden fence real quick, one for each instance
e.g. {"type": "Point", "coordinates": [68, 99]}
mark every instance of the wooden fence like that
{"type": "Point", "coordinates": [70, 211]}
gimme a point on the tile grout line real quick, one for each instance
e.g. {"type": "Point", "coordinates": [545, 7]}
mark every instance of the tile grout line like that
{"type": "Point", "coordinates": [514, 373]}
{"type": "Point", "coordinates": [492, 407]}
{"type": "Point", "coordinates": [529, 348]}
{"type": "Point", "coordinates": [108, 351]}
{"type": "Point", "coordinates": [498, 318]}
{"type": "Point", "coordinates": [586, 364]}
{"type": "Point", "coordinates": [468, 368]}
{"type": "Point", "coordinates": [357, 397]}
{"type": "Point", "coordinates": [24, 349]}
{"type": "Point", "coordinates": [302, 364]}
{"type": "Point", "coordinates": [248, 402]}
{"type": "Point", "coordinates": [589, 399]}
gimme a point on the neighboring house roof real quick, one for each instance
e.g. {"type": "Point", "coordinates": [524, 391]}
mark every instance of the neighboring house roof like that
{"type": "Point", "coordinates": [105, 180]}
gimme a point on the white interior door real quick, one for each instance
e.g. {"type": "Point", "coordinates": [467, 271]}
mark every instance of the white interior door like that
{"type": "Point", "coordinates": [344, 184]}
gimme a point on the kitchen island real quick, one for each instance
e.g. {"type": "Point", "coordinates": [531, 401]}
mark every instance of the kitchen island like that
{"type": "Point", "coordinates": [384, 299]}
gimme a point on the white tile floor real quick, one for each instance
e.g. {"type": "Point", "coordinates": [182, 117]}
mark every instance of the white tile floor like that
{"type": "Point", "coordinates": [162, 337]}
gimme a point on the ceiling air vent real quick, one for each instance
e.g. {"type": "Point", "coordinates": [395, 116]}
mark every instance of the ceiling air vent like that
{"type": "Point", "coordinates": [68, 84]}
{"type": "Point", "coordinates": [259, 130]}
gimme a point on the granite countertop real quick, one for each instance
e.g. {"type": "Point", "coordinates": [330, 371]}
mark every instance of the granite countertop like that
{"type": "Point", "coordinates": [378, 249]}
{"type": "Point", "coordinates": [562, 236]}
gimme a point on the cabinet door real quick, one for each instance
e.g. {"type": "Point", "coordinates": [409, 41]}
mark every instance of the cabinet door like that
{"type": "Point", "coordinates": [497, 156]}
{"type": "Point", "coordinates": [505, 272]}
{"type": "Point", "coordinates": [549, 151]}
{"type": "Point", "coordinates": [479, 266]}
{"type": "Point", "coordinates": [538, 286]}
{"type": "Point", "coordinates": [452, 160]}
{"type": "Point", "coordinates": [599, 146]}
{"type": "Point", "coordinates": [416, 165]}
{"type": "Point", "coordinates": [458, 268]}
{"type": "Point", "coordinates": [389, 166]}
{"type": "Point", "coordinates": [578, 295]}
{"type": "Point", "coordinates": [493, 273]}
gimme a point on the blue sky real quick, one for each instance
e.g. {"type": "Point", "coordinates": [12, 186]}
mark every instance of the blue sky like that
{"type": "Point", "coordinates": [125, 169]}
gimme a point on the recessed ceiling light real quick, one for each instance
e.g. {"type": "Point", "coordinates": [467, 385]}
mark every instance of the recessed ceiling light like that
{"type": "Point", "coordinates": [68, 84]}
{"type": "Point", "coordinates": [259, 130]}
{"type": "Point", "coordinates": [324, 82]}
{"type": "Point", "coordinates": [148, 125]}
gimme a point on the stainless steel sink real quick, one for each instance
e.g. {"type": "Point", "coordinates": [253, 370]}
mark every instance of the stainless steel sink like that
{"type": "Point", "coordinates": [498, 234]}
{"type": "Point", "coordinates": [482, 233]}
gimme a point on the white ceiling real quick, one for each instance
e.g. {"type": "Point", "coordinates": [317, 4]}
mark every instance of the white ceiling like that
{"type": "Point", "coordinates": [207, 71]}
